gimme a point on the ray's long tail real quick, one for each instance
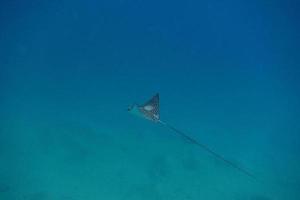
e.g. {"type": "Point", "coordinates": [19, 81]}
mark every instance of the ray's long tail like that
{"type": "Point", "coordinates": [206, 148]}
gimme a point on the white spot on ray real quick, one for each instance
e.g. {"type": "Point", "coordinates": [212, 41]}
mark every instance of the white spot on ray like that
{"type": "Point", "coordinates": [148, 107]}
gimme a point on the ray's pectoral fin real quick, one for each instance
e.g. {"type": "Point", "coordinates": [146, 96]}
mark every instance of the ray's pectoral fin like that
{"type": "Point", "coordinates": [150, 109]}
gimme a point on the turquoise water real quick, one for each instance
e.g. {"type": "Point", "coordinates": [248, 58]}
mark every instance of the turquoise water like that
{"type": "Point", "coordinates": [227, 74]}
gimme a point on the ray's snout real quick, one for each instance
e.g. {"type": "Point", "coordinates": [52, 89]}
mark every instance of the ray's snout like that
{"type": "Point", "coordinates": [130, 107]}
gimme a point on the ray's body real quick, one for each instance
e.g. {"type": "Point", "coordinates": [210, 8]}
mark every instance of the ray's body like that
{"type": "Point", "coordinates": [150, 111]}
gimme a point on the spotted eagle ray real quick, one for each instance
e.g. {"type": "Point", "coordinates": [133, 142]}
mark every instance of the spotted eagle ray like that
{"type": "Point", "coordinates": [150, 111]}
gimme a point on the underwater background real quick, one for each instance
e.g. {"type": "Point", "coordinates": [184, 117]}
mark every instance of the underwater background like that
{"type": "Point", "coordinates": [227, 73]}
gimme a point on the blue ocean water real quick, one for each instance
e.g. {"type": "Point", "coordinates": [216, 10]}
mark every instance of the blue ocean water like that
{"type": "Point", "coordinates": [227, 73]}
